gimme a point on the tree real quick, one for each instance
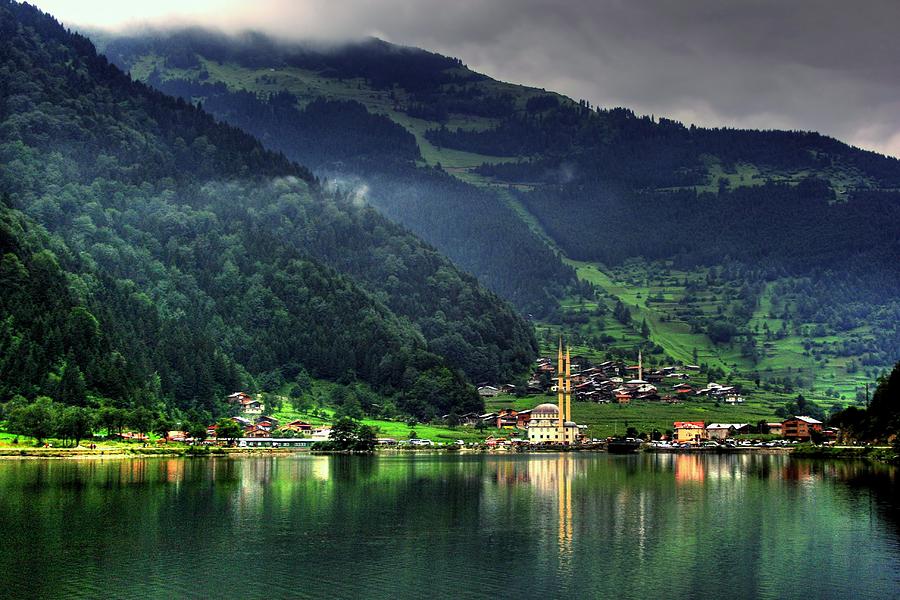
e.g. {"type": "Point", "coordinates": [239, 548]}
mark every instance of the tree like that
{"type": "Point", "coordinates": [343, 433]}
{"type": "Point", "coordinates": [228, 429]}
{"type": "Point", "coordinates": [162, 426]}
{"type": "Point", "coordinates": [71, 388]}
{"type": "Point", "coordinates": [645, 329]}
{"type": "Point", "coordinates": [196, 431]}
{"type": "Point", "coordinates": [76, 423]}
{"type": "Point", "coordinates": [37, 419]}
{"type": "Point", "coordinates": [365, 438]}
{"type": "Point", "coordinates": [141, 419]}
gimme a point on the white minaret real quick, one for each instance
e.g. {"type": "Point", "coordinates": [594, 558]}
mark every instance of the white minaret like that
{"type": "Point", "coordinates": [640, 366]}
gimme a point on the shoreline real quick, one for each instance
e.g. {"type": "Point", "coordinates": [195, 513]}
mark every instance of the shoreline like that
{"type": "Point", "coordinates": [850, 452]}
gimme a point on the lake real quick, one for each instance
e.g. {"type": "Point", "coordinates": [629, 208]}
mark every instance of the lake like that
{"type": "Point", "coordinates": [430, 525]}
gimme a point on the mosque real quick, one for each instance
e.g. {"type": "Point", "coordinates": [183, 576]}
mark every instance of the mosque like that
{"type": "Point", "coordinates": [551, 423]}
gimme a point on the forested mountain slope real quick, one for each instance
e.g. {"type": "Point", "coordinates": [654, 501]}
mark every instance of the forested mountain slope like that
{"type": "Point", "coordinates": [807, 225]}
{"type": "Point", "coordinates": [203, 260]}
{"type": "Point", "coordinates": [338, 136]}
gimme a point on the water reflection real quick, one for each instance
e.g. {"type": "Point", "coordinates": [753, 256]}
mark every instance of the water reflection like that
{"type": "Point", "coordinates": [450, 526]}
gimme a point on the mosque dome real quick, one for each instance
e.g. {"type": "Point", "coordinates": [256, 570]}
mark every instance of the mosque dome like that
{"type": "Point", "coordinates": [546, 408]}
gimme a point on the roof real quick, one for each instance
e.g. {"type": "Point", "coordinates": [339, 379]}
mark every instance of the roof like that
{"type": "Point", "coordinates": [727, 425]}
{"type": "Point", "coordinates": [688, 424]}
{"type": "Point", "coordinates": [545, 408]}
{"type": "Point", "coordinates": [809, 420]}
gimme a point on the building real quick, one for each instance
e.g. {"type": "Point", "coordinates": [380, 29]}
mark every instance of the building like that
{"type": "Point", "coordinates": [552, 423]}
{"type": "Point", "coordinates": [298, 426]}
{"type": "Point", "coordinates": [544, 426]}
{"type": "Point", "coordinates": [488, 391]}
{"type": "Point", "coordinates": [250, 406]}
{"type": "Point", "coordinates": [237, 398]}
{"type": "Point", "coordinates": [690, 432]}
{"type": "Point", "coordinates": [512, 418]}
{"type": "Point", "coordinates": [254, 431]}
{"type": "Point", "coordinates": [774, 428]}
{"type": "Point", "coordinates": [721, 431]}
{"type": "Point", "coordinates": [800, 428]}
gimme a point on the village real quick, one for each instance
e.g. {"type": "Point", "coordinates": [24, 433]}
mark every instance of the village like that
{"type": "Point", "coordinates": [551, 425]}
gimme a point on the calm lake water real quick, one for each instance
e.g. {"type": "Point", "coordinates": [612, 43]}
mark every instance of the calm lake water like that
{"type": "Point", "coordinates": [579, 526]}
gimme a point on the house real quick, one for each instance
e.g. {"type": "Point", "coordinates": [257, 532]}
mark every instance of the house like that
{"type": "Point", "coordinates": [254, 431]}
{"type": "Point", "coordinates": [690, 432]}
{"type": "Point", "coordinates": [800, 428]}
{"type": "Point", "coordinates": [176, 436]}
{"type": "Point", "coordinates": [298, 426]}
{"type": "Point", "coordinates": [622, 396]}
{"type": "Point", "coordinates": [774, 428]}
{"type": "Point", "coordinates": [237, 398]}
{"type": "Point", "coordinates": [321, 433]}
{"type": "Point", "coordinates": [487, 418]}
{"type": "Point", "coordinates": [721, 431]}
{"type": "Point", "coordinates": [271, 420]}
{"type": "Point", "coordinates": [251, 407]}
{"type": "Point", "coordinates": [683, 389]}
{"type": "Point", "coordinates": [488, 391]}
{"type": "Point", "coordinates": [511, 418]}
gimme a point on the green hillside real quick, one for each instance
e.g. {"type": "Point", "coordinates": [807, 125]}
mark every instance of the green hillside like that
{"type": "Point", "coordinates": [156, 258]}
{"type": "Point", "coordinates": [753, 252]}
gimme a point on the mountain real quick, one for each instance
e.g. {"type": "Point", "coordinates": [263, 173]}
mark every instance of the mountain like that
{"type": "Point", "coordinates": [772, 253]}
{"type": "Point", "coordinates": [154, 255]}
{"type": "Point", "coordinates": [340, 138]}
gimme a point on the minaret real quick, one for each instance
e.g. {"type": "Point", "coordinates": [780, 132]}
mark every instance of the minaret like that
{"type": "Point", "coordinates": [568, 385]}
{"type": "Point", "coordinates": [640, 365]}
{"type": "Point", "coordinates": [559, 384]}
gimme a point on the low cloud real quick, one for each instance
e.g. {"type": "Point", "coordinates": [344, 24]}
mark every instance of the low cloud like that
{"type": "Point", "coordinates": [824, 65]}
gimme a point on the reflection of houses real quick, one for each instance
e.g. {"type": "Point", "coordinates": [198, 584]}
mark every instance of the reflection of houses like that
{"type": "Point", "coordinates": [689, 467]}
{"type": "Point", "coordinates": [689, 432]}
{"type": "Point", "coordinates": [800, 428]}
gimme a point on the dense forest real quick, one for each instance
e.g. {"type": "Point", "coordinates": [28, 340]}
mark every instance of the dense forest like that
{"type": "Point", "coordinates": [156, 257]}
{"type": "Point", "coordinates": [342, 140]}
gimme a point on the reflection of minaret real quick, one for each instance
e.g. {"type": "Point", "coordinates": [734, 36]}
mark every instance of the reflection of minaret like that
{"type": "Point", "coordinates": [564, 507]}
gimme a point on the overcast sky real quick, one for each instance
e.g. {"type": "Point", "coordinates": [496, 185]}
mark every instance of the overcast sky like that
{"type": "Point", "coordinates": [826, 65]}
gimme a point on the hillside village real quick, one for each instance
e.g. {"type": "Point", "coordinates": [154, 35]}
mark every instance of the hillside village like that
{"type": "Point", "coordinates": [616, 382]}
{"type": "Point", "coordinates": [610, 382]}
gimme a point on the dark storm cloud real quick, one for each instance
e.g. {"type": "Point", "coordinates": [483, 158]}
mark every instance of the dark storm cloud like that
{"type": "Point", "coordinates": [825, 65]}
